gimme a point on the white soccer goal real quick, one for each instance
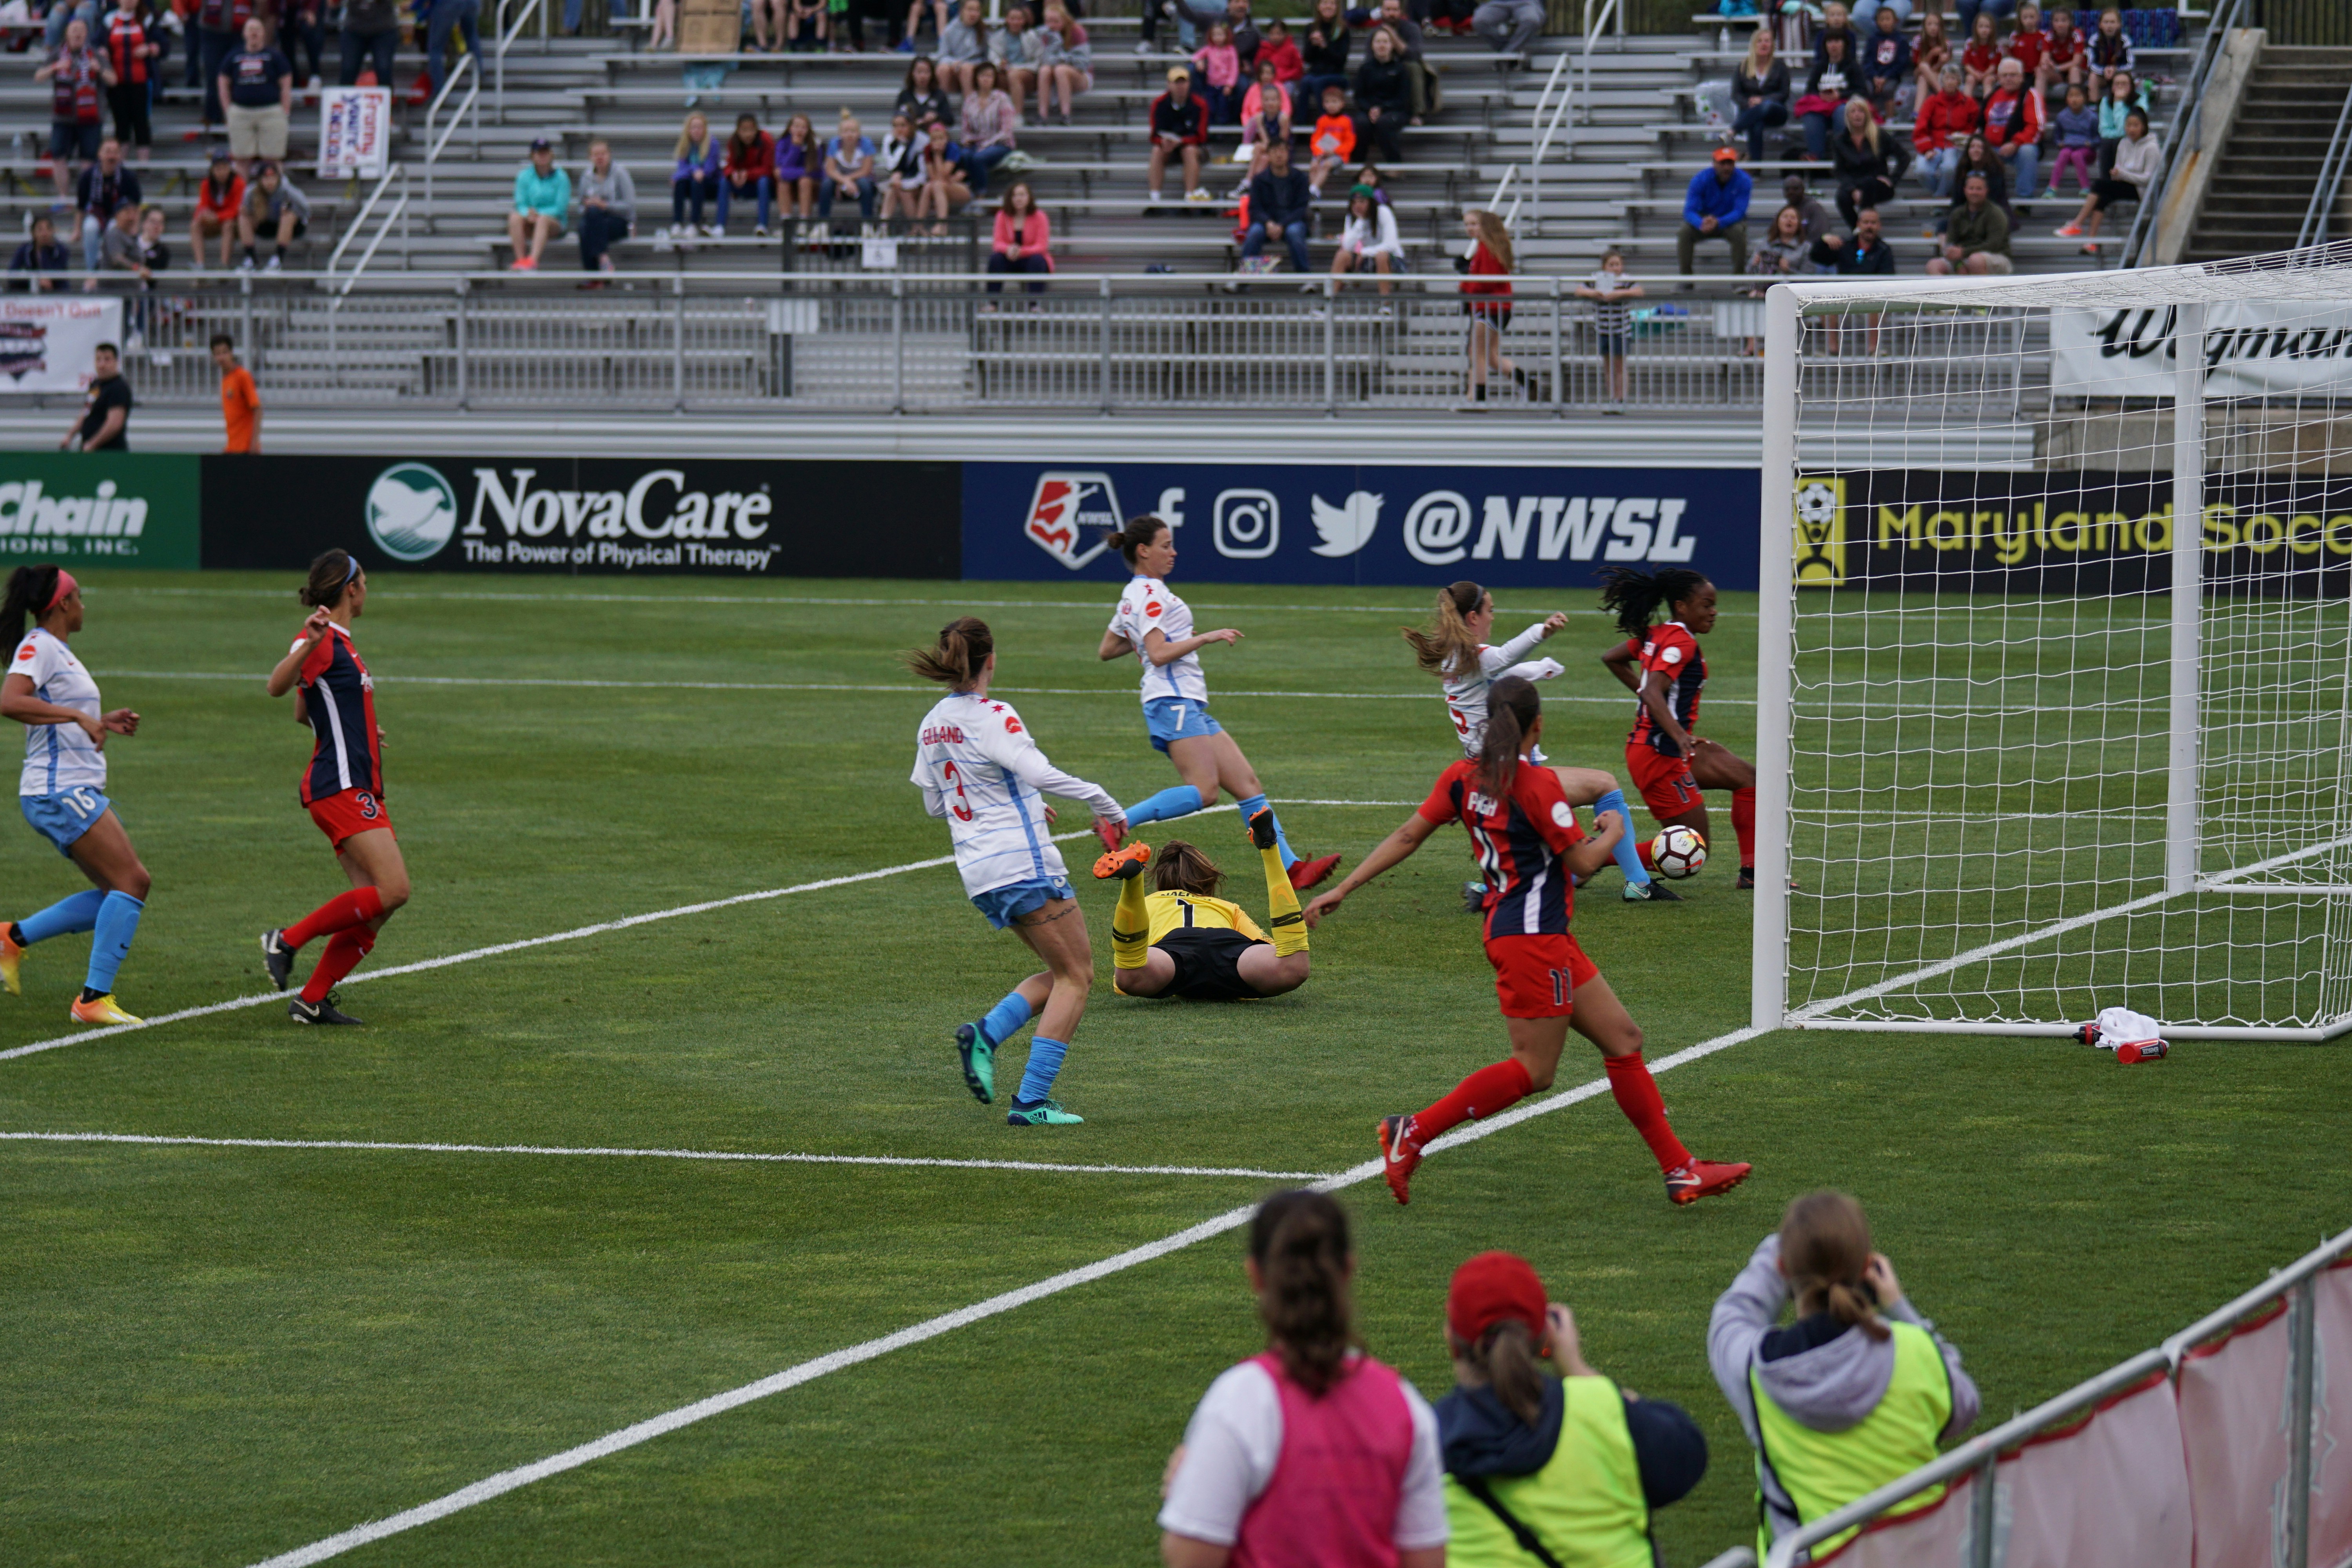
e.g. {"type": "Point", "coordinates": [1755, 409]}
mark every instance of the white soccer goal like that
{"type": "Point", "coordinates": [2026, 749]}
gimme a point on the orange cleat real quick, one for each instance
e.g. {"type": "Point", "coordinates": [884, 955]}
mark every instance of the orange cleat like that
{"type": "Point", "coordinates": [101, 1010]}
{"type": "Point", "coordinates": [12, 954]}
{"type": "Point", "coordinates": [1306, 874]}
{"type": "Point", "coordinates": [1401, 1155]}
{"type": "Point", "coordinates": [1702, 1179]}
{"type": "Point", "coordinates": [1120, 864]}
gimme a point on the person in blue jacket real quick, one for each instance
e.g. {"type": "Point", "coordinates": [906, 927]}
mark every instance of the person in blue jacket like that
{"type": "Point", "coordinates": [1714, 207]}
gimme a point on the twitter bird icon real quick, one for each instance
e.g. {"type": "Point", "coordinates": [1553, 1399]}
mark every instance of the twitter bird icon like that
{"type": "Point", "coordinates": [1347, 527]}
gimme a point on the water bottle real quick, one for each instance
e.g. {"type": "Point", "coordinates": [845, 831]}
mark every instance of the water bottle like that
{"type": "Point", "coordinates": [1723, 40]}
{"type": "Point", "coordinates": [2142, 1051]}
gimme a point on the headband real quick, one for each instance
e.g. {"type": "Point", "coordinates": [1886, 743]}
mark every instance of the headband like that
{"type": "Point", "coordinates": [350, 575]}
{"type": "Point", "coordinates": [66, 584]}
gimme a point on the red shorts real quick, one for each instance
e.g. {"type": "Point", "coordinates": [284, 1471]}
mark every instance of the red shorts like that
{"type": "Point", "coordinates": [1665, 782]}
{"type": "Point", "coordinates": [1537, 976]}
{"type": "Point", "coordinates": [347, 812]}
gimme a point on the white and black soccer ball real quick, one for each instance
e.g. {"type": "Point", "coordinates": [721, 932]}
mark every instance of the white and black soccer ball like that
{"type": "Point", "coordinates": [1678, 852]}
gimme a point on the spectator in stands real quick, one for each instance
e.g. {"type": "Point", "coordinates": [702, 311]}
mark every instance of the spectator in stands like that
{"type": "Point", "coordinates": [747, 170]}
{"type": "Point", "coordinates": [461, 17]}
{"type": "Point", "coordinates": [799, 162]}
{"type": "Point", "coordinates": [1859, 1390]}
{"type": "Point", "coordinates": [990, 125]}
{"type": "Point", "coordinates": [1931, 51]}
{"type": "Point", "coordinates": [1816, 219]}
{"type": "Point", "coordinates": [76, 73]}
{"type": "Point", "coordinates": [808, 25]}
{"type": "Point", "coordinates": [131, 46]}
{"type": "Point", "coordinates": [1277, 1464]}
{"type": "Point", "coordinates": [1981, 59]}
{"type": "Point", "coordinates": [1834, 80]}
{"type": "Point", "coordinates": [663, 34]}
{"type": "Point", "coordinates": [693, 179]}
{"type": "Point", "coordinates": [1333, 141]}
{"type": "Point", "coordinates": [1868, 162]}
{"type": "Point", "coordinates": [543, 200]}
{"type": "Point", "coordinates": [1969, 10]}
{"type": "Point", "coordinates": [1009, 48]}
{"type": "Point", "coordinates": [1220, 68]}
{"type": "Point", "coordinates": [2013, 125]}
{"type": "Point", "coordinates": [117, 247]}
{"type": "Point", "coordinates": [1781, 253]}
{"type": "Point", "coordinates": [219, 23]}
{"type": "Point", "coordinates": [608, 208]}
{"type": "Point", "coordinates": [1278, 204]}
{"type": "Point", "coordinates": [1180, 130]}
{"type": "Point", "coordinates": [946, 190]}
{"type": "Point", "coordinates": [1274, 44]}
{"type": "Point", "coordinates": [272, 206]}
{"type": "Point", "coordinates": [2123, 95]}
{"type": "Point", "coordinates": [1384, 95]}
{"type": "Point", "coordinates": [64, 13]}
{"type": "Point", "coordinates": [1572, 1462]}
{"type": "Point", "coordinates": [1836, 23]}
{"type": "Point", "coordinates": [2064, 59]}
{"type": "Point", "coordinates": [1977, 158]}
{"type": "Point", "coordinates": [104, 187]}
{"type": "Point", "coordinates": [241, 399]}
{"type": "Point", "coordinates": [2137, 162]}
{"type": "Point", "coordinates": [1265, 119]}
{"type": "Point", "coordinates": [256, 89]}
{"type": "Point", "coordinates": [899, 169]}
{"type": "Point", "coordinates": [303, 32]}
{"type": "Point", "coordinates": [1065, 65]}
{"type": "Point", "coordinates": [1511, 27]}
{"type": "Point", "coordinates": [134, 246]}
{"type": "Point", "coordinates": [1609, 290]}
{"type": "Point", "coordinates": [1866, 254]}
{"type": "Point", "coordinates": [2027, 44]}
{"type": "Point", "coordinates": [2109, 51]}
{"type": "Point", "coordinates": [1759, 92]}
{"type": "Point", "coordinates": [370, 34]}
{"type": "Point", "coordinates": [1976, 238]}
{"type": "Point", "coordinates": [1886, 64]}
{"type": "Point", "coordinates": [1714, 207]}
{"type": "Point", "coordinates": [1324, 48]}
{"type": "Point", "coordinates": [849, 171]}
{"type": "Point", "coordinates": [963, 45]}
{"type": "Point", "coordinates": [1419, 78]}
{"type": "Point", "coordinates": [1486, 302]}
{"type": "Point", "coordinates": [38, 257]}
{"type": "Point", "coordinates": [105, 423]}
{"type": "Point", "coordinates": [1022, 241]}
{"type": "Point", "coordinates": [1370, 242]}
{"type": "Point", "coordinates": [920, 97]}
{"type": "Point", "coordinates": [219, 198]}
{"type": "Point", "coordinates": [918, 13]}
{"type": "Point", "coordinates": [2078, 141]}
{"type": "Point", "coordinates": [1944, 122]}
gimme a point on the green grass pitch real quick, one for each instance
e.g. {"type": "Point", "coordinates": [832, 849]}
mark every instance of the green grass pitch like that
{"type": "Point", "coordinates": [216, 1355]}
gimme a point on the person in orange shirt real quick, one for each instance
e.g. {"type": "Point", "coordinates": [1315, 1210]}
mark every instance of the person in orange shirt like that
{"type": "Point", "coordinates": [1334, 142]}
{"type": "Point", "coordinates": [241, 399]}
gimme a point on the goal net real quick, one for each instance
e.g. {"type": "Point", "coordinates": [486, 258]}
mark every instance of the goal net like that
{"type": "Point", "coordinates": [2056, 670]}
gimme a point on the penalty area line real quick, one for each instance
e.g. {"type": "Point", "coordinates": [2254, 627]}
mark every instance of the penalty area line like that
{"type": "Point", "coordinates": [718, 1155]}
{"type": "Point", "coordinates": [792, 1377]}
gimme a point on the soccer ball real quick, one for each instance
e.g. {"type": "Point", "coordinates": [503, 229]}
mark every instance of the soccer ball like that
{"type": "Point", "coordinates": [1678, 852]}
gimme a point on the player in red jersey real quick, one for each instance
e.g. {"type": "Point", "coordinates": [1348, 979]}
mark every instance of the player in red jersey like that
{"type": "Point", "coordinates": [1529, 846]}
{"type": "Point", "coordinates": [1663, 664]}
{"type": "Point", "coordinates": [343, 788]}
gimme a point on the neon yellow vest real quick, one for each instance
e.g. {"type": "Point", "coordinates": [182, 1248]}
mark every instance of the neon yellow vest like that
{"type": "Point", "coordinates": [1823, 1471]}
{"type": "Point", "coordinates": [1585, 1504]}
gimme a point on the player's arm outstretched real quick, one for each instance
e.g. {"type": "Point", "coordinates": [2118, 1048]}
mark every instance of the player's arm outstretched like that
{"type": "Point", "coordinates": [1511, 658]}
{"type": "Point", "coordinates": [1396, 849]}
{"type": "Point", "coordinates": [1012, 749]}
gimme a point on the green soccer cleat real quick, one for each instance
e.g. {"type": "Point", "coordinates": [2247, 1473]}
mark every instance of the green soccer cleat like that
{"type": "Point", "coordinates": [979, 1062]}
{"type": "Point", "coordinates": [1651, 892]}
{"type": "Point", "coordinates": [1044, 1113]}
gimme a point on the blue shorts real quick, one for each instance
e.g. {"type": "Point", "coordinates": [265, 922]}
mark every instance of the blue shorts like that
{"type": "Point", "coordinates": [65, 816]}
{"type": "Point", "coordinates": [1176, 718]}
{"type": "Point", "coordinates": [1005, 905]}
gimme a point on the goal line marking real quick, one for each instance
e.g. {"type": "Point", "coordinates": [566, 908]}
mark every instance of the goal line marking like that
{"type": "Point", "coordinates": [574, 934]}
{"type": "Point", "coordinates": [793, 1377]}
{"type": "Point", "coordinates": [718, 1155]}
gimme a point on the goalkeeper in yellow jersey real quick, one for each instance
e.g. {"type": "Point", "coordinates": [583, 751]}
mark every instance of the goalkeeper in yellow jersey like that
{"type": "Point", "coordinates": [1178, 939]}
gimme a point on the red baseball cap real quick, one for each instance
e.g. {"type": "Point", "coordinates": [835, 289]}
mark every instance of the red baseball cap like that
{"type": "Point", "coordinates": [1727, 155]}
{"type": "Point", "coordinates": [1494, 1287]}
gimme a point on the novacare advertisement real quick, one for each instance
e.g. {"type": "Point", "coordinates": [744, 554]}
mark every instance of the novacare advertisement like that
{"type": "Point", "coordinates": [124, 509]}
{"type": "Point", "coordinates": [1510, 527]}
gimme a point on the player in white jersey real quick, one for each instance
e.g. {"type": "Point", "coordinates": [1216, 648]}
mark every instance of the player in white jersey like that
{"type": "Point", "coordinates": [1156, 626]}
{"type": "Point", "coordinates": [1454, 648]}
{"type": "Point", "coordinates": [63, 788]}
{"type": "Point", "coordinates": [981, 772]}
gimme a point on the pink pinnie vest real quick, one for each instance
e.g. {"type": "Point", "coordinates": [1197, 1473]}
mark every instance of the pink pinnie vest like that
{"type": "Point", "coordinates": [1332, 1501]}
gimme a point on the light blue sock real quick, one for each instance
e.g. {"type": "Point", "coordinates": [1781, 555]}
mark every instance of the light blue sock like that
{"type": "Point", "coordinates": [1251, 807]}
{"type": "Point", "coordinates": [1045, 1062]}
{"type": "Point", "coordinates": [62, 918]}
{"type": "Point", "coordinates": [1003, 1018]}
{"type": "Point", "coordinates": [1177, 800]}
{"type": "Point", "coordinates": [118, 922]}
{"type": "Point", "coordinates": [1628, 852]}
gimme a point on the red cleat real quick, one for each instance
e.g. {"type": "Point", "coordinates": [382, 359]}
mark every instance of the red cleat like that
{"type": "Point", "coordinates": [1401, 1155]}
{"type": "Point", "coordinates": [1702, 1179]}
{"type": "Point", "coordinates": [1306, 874]}
{"type": "Point", "coordinates": [1112, 834]}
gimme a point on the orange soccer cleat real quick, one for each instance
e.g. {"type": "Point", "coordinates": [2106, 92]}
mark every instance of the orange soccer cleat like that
{"type": "Point", "coordinates": [1702, 1179]}
{"type": "Point", "coordinates": [1120, 864]}
{"type": "Point", "coordinates": [1400, 1154]}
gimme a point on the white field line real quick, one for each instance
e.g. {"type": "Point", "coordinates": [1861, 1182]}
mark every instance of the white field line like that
{"type": "Point", "coordinates": [1092, 605]}
{"type": "Point", "coordinates": [720, 1155]}
{"type": "Point", "coordinates": [791, 1377]}
{"type": "Point", "coordinates": [601, 928]}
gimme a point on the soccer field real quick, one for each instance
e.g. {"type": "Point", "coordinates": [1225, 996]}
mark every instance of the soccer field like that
{"type": "Point", "coordinates": [221, 1353]}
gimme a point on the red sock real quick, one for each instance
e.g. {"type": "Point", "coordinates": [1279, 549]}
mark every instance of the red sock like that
{"type": "Point", "coordinates": [344, 951]}
{"type": "Point", "coordinates": [340, 912]}
{"type": "Point", "coordinates": [1647, 864]}
{"type": "Point", "coordinates": [1637, 1096]}
{"type": "Point", "coordinates": [1743, 823]}
{"type": "Point", "coordinates": [1483, 1093]}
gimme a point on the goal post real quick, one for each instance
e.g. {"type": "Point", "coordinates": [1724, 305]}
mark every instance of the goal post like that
{"type": "Point", "coordinates": [2054, 660]}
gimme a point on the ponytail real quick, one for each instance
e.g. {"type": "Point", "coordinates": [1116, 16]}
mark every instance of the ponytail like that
{"type": "Point", "coordinates": [1825, 1250]}
{"type": "Point", "coordinates": [30, 589]}
{"type": "Point", "coordinates": [1299, 1242]}
{"type": "Point", "coordinates": [1633, 595]}
{"type": "Point", "coordinates": [1512, 710]}
{"type": "Point", "coordinates": [1445, 648]}
{"type": "Point", "coordinates": [955, 661]}
{"type": "Point", "coordinates": [1181, 866]}
{"type": "Point", "coordinates": [1138, 532]}
{"type": "Point", "coordinates": [1506, 1356]}
{"type": "Point", "coordinates": [330, 574]}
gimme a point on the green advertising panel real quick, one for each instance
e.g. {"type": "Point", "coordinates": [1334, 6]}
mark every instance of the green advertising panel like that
{"type": "Point", "coordinates": [126, 508]}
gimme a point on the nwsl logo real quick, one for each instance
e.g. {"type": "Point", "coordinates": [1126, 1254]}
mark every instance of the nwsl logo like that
{"type": "Point", "coordinates": [1069, 513]}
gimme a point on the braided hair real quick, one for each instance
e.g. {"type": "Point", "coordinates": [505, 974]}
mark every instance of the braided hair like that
{"type": "Point", "coordinates": [1634, 597]}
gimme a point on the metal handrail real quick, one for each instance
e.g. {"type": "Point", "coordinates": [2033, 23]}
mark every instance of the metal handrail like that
{"type": "Point", "coordinates": [1562, 81]}
{"type": "Point", "coordinates": [433, 144]}
{"type": "Point", "coordinates": [2331, 181]}
{"type": "Point", "coordinates": [507, 37]}
{"type": "Point", "coordinates": [397, 172]}
{"type": "Point", "coordinates": [396, 212]}
{"type": "Point", "coordinates": [2227, 18]}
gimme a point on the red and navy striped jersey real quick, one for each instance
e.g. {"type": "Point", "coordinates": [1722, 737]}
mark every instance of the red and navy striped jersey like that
{"type": "Point", "coordinates": [339, 700]}
{"type": "Point", "coordinates": [1519, 841]}
{"type": "Point", "coordinates": [1671, 650]}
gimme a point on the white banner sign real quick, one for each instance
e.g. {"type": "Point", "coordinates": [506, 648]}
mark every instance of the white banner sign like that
{"type": "Point", "coordinates": [49, 343]}
{"type": "Point", "coordinates": [2251, 349]}
{"type": "Point", "coordinates": [354, 132]}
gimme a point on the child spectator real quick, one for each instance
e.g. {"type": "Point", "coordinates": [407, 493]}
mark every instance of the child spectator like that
{"type": "Point", "coordinates": [1220, 68]}
{"type": "Point", "coordinates": [273, 207]}
{"type": "Point", "coordinates": [2028, 44]}
{"type": "Point", "coordinates": [945, 189]}
{"type": "Point", "coordinates": [219, 198]}
{"type": "Point", "coordinates": [1369, 241]}
{"type": "Point", "coordinates": [2013, 124]}
{"type": "Point", "coordinates": [1609, 289]}
{"type": "Point", "coordinates": [919, 96]}
{"type": "Point", "coordinates": [42, 255]}
{"type": "Point", "coordinates": [990, 125]}
{"type": "Point", "coordinates": [1334, 140]}
{"type": "Point", "coordinates": [1859, 1390]}
{"type": "Point", "coordinates": [1009, 48]}
{"type": "Point", "coordinates": [2110, 50]}
{"type": "Point", "coordinates": [1486, 302]}
{"type": "Point", "coordinates": [1065, 64]}
{"type": "Point", "coordinates": [1384, 95]}
{"type": "Point", "coordinates": [1021, 242]}
{"type": "Point", "coordinates": [1930, 53]}
{"type": "Point", "coordinates": [1886, 69]}
{"type": "Point", "coordinates": [117, 247]}
{"type": "Point", "coordinates": [2137, 161]}
{"type": "Point", "coordinates": [1179, 129]}
{"type": "Point", "coordinates": [543, 200]}
{"type": "Point", "coordinates": [1311, 1443]}
{"type": "Point", "coordinates": [1981, 59]}
{"type": "Point", "coordinates": [963, 45]}
{"type": "Point", "coordinates": [1868, 162]}
{"type": "Point", "coordinates": [693, 178]}
{"type": "Point", "coordinates": [1265, 119]}
{"type": "Point", "coordinates": [2063, 60]}
{"type": "Point", "coordinates": [1944, 122]}
{"type": "Point", "coordinates": [1760, 93]}
{"type": "Point", "coordinates": [897, 165]}
{"type": "Point", "coordinates": [132, 48]}
{"type": "Point", "coordinates": [1836, 23]}
{"type": "Point", "coordinates": [608, 208]}
{"type": "Point", "coordinates": [1826, 90]}
{"type": "Point", "coordinates": [1275, 45]}
{"type": "Point", "coordinates": [1572, 1463]}
{"type": "Point", "coordinates": [849, 170]}
{"type": "Point", "coordinates": [1324, 48]}
{"type": "Point", "coordinates": [2078, 141]}
{"type": "Point", "coordinates": [799, 164]}
{"type": "Point", "coordinates": [747, 167]}
{"type": "Point", "coordinates": [75, 73]}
